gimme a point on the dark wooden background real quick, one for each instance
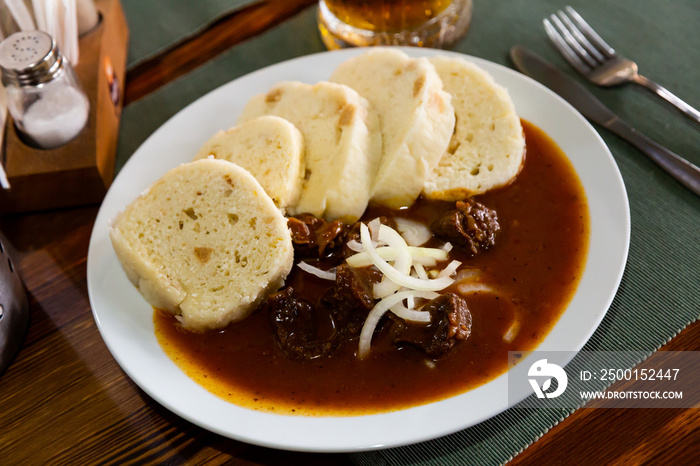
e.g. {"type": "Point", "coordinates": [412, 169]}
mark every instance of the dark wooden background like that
{"type": "Point", "coordinates": [65, 399]}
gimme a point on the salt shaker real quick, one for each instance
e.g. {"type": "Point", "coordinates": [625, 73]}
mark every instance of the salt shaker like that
{"type": "Point", "coordinates": [44, 95]}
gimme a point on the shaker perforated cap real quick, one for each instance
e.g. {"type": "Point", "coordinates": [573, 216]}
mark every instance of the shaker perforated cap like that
{"type": "Point", "coordinates": [28, 58]}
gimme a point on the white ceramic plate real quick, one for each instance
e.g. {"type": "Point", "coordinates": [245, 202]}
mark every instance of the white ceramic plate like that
{"type": "Point", "coordinates": [125, 319]}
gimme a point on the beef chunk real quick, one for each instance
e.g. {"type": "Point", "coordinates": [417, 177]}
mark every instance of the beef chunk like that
{"type": "Point", "coordinates": [294, 326]}
{"type": "Point", "coordinates": [314, 237]}
{"type": "Point", "coordinates": [303, 229]}
{"type": "Point", "coordinates": [471, 226]}
{"type": "Point", "coordinates": [330, 237]}
{"type": "Point", "coordinates": [350, 300]}
{"type": "Point", "coordinates": [450, 322]}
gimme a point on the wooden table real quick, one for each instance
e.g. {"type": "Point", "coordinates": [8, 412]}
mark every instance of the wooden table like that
{"type": "Point", "coordinates": [66, 400]}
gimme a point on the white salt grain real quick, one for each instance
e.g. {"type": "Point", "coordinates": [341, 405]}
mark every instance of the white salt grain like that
{"type": "Point", "coordinates": [57, 117]}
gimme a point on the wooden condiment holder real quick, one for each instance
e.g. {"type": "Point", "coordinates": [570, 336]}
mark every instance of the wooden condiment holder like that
{"type": "Point", "coordinates": [79, 172]}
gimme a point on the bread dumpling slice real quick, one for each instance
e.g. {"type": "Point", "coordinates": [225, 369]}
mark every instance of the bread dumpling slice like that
{"type": "Point", "coordinates": [488, 146]}
{"type": "Point", "coordinates": [416, 118]}
{"type": "Point", "coordinates": [270, 148]}
{"type": "Point", "coordinates": [205, 243]}
{"type": "Point", "coordinates": [342, 139]}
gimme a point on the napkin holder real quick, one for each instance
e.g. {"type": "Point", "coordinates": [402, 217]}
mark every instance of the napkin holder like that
{"type": "Point", "coordinates": [79, 172]}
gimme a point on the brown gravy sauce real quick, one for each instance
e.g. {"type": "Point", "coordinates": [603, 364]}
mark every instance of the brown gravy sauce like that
{"type": "Point", "coordinates": [536, 265]}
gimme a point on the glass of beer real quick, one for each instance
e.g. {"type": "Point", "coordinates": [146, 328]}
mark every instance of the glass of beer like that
{"type": "Point", "coordinates": [422, 23]}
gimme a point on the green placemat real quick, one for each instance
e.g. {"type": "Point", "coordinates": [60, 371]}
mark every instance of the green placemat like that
{"type": "Point", "coordinates": [660, 291]}
{"type": "Point", "coordinates": [156, 25]}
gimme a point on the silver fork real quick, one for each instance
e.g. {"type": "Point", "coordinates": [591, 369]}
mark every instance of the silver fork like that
{"type": "Point", "coordinates": [591, 56]}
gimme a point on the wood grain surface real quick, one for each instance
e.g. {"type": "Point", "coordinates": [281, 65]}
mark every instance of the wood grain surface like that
{"type": "Point", "coordinates": [65, 400]}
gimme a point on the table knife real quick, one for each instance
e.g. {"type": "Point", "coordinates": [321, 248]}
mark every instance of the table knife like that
{"type": "Point", "coordinates": [589, 106]}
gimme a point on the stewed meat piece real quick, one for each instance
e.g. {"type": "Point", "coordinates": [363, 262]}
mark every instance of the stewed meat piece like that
{"type": "Point", "coordinates": [317, 238]}
{"type": "Point", "coordinates": [294, 327]}
{"type": "Point", "coordinates": [471, 226]}
{"type": "Point", "coordinates": [450, 322]}
{"type": "Point", "coordinates": [350, 300]}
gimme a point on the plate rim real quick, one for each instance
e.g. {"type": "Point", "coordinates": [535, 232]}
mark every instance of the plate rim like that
{"type": "Point", "coordinates": [97, 253]}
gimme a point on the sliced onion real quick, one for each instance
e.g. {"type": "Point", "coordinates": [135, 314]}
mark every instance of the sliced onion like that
{"type": "Point", "coordinates": [427, 257]}
{"type": "Point", "coordinates": [450, 269]}
{"type": "Point", "coordinates": [470, 288]}
{"type": "Point", "coordinates": [420, 271]}
{"type": "Point", "coordinates": [512, 331]}
{"type": "Point", "coordinates": [410, 301]}
{"type": "Point", "coordinates": [354, 245]}
{"type": "Point", "coordinates": [447, 246]}
{"type": "Point", "coordinates": [425, 261]}
{"type": "Point", "coordinates": [415, 233]}
{"type": "Point", "coordinates": [412, 315]}
{"type": "Point", "coordinates": [467, 274]}
{"type": "Point", "coordinates": [325, 274]}
{"type": "Point", "coordinates": [374, 228]}
{"type": "Point", "coordinates": [378, 311]}
{"type": "Point", "coordinates": [393, 274]}
{"type": "Point", "coordinates": [402, 264]}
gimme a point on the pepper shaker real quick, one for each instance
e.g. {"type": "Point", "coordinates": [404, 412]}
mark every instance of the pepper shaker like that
{"type": "Point", "coordinates": [44, 96]}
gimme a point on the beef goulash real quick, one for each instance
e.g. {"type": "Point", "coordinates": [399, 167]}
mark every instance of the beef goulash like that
{"type": "Point", "coordinates": [368, 296]}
